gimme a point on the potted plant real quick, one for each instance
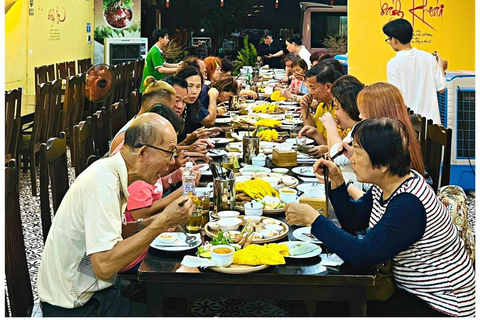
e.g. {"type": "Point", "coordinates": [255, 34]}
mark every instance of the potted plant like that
{"type": "Point", "coordinates": [247, 56]}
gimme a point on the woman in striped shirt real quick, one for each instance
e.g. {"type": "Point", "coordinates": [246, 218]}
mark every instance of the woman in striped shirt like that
{"type": "Point", "coordinates": [405, 222]}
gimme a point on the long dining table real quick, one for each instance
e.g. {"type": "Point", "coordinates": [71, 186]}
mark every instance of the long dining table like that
{"type": "Point", "coordinates": [298, 279]}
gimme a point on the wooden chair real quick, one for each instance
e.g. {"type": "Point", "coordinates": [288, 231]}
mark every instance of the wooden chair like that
{"type": "Point", "coordinates": [43, 74]}
{"type": "Point", "coordinates": [101, 132]}
{"type": "Point", "coordinates": [13, 124]}
{"type": "Point", "coordinates": [20, 294]}
{"type": "Point", "coordinates": [139, 65]}
{"type": "Point", "coordinates": [84, 147]}
{"type": "Point", "coordinates": [65, 69]}
{"type": "Point", "coordinates": [419, 124]}
{"type": "Point", "coordinates": [53, 168]}
{"type": "Point", "coordinates": [438, 152]}
{"type": "Point", "coordinates": [128, 86]}
{"type": "Point", "coordinates": [55, 109]}
{"type": "Point", "coordinates": [84, 65]}
{"type": "Point", "coordinates": [73, 107]}
{"type": "Point", "coordinates": [116, 118]}
{"type": "Point", "coordinates": [118, 86]}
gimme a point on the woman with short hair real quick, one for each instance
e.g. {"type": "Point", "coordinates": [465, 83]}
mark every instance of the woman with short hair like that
{"type": "Point", "coordinates": [405, 222]}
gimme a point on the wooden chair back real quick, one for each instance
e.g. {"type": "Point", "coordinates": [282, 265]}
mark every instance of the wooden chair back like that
{"type": "Point", "coordinates": [20, 294]}
{"type": "Point", "coordinates": [101, 132]}
{"type": "Point", "coordinates": [118, 87]}
{"type": "Point", "coordinates": [117, 117]}
{"type": "Point", "coordinates": [65, 69]}
{"type": "Point", "coordinates": [44, 74]}
{"type": "Point", "coordinates": [84, 65]}
{"type": "Point", "coordinates": [55, 106]}
{"type": "Point", "coordinates": [134, 103]}
{"type": "Point", "coordinates": [438, 154]}
{"type": "Point", "coordinates": [84, 147]}
{"type": "Point", "coordinates": [13, 124]}
{"type": "Point", "coordinates": [53, 171]}
{"type": "Point", "coordinates": [128, 81]}
{"type": "Point", "coordinates": [74, 103]}
{"type": "Point", "coordinates": [139, 65]}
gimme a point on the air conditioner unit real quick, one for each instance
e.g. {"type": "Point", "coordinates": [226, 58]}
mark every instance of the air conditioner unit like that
{"type": "Point", "coordinates": [457, 111]}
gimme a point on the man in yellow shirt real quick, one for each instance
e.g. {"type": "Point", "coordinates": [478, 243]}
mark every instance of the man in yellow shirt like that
{"type": "Point", "coordinates": [319, 82]}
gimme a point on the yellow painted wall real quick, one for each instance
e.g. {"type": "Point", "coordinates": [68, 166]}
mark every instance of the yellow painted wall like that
{"type": "Point", "coordinates": [55, 32]}
{"type": "Point", "coordinates": [449, 29]}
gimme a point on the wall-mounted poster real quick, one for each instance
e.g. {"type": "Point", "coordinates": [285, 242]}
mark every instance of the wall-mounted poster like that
{"type": "Point", "coordinates": [115, 19]}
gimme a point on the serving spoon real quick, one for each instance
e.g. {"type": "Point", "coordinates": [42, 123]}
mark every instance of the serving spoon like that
{"type": "Point", "coordinates": [190, 240]}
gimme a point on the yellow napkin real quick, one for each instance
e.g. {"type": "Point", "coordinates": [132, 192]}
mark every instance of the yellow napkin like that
{"type": "Point", "coordinates": [254, 254]}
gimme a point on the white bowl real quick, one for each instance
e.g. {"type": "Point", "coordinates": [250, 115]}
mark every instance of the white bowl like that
{"type": "Point", "coordinates": [266, 233]}
{"type": "Point", "coordinates": [258, 161]}
{"type": "Point", "coordinates": [167, 237]}
{"type": "Point", "coordinates": [232, 234]}
{"type": "Point", "coordinates": [274, 227]}
{"type": "Point", "coordinates": [280, 170]}
{"type": "Point", "coordinates": [272, 180]}
{"type": "Point", "coordinates": [229, 224]}
{"type": "Point", "coordinates": [228, 214]}
{"type": "Point", "coordinates": [253, 208]}
{"type": "Point", "coordinates": [288, 195]}
{"type": "Point", "coordinates": [225, 259]}
{"type": "Point", "coordinates": [213, 225]}
{"type": "Point", "coordinates": [288, 181]}
{"type": "Point", "coordinates": [242, 178]}
{"type": "Point", "coordinates": [270, 221]}
{"type": "Point", "coordinates": [255, 219]}
{"type": "Point", "coordinates": [257, 236]}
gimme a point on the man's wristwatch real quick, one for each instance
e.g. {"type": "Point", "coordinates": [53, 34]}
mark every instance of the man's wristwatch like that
{"type": "Point", "coordinates": [348, 183]}
{"type": "Point", "coordinates": [140, 225]}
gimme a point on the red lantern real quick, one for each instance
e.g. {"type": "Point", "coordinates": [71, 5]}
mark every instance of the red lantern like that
{"type": "Point", "coordinates": [276, 4]}
{"type": "Point", "coordinates": [221, 3]}
{"type": "Point", "coordinates": [168, 4]}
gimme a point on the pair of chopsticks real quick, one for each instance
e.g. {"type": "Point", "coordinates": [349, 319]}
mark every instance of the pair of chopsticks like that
{"type": "Point", "coordinates": [339, 153]}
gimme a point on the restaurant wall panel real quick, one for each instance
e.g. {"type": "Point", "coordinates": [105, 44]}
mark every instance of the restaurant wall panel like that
{"type": "Point", "coordinates": [447, 26]}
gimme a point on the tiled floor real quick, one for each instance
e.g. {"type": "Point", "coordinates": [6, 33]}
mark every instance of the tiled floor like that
{"type": "Point", "coordinates": [30, 208]}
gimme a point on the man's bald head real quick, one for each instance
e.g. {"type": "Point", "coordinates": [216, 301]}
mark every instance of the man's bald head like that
{"type": "Point", "coordinates": [149, 128]}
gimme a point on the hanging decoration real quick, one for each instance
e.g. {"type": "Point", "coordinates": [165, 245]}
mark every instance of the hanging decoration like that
{"type": "Point", "coordinates": [276, 4]}
{"type": "Point", "coordinates": [221, 3]}
{"type": "Point", "coordinates": [167, 4]}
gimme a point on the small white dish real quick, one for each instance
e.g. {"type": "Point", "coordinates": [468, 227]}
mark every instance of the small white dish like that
{"type": "Point", "coordinates": [272, 180]}
{"type": "Point", "coordinates": [223, 254]}
{"type": "Point", "coordinates": [167, 237]}
{"type": "Point", "coordinates": [258, 161]}
{"type": "Point", "coordinates": [255, 219]}
{"type": "Point", "coordinates": [229, 224]}
{"type": "Point", "coordinates": [227, 214]}
{"type": "Point", "coordinates": [304, 171]}
{"type": "Point", "coordinates": [231, 234]}
{"type": "Point", "coordinates": [274, 227]}
{"type": "Point", "coordinates": [253, 208]}
{"type": "Point", "coordinates": [280, 170]}
{"type": "Point", "coordinates": [257, 236]}
{"type": "Point", "coordinates": [266, 233]}
{"type": "Point", "coordinates": [213, 226]}
{"type": "Point", "coordinates": [270, 221]}
{"type": "Point", "coordinates": [288, 195]}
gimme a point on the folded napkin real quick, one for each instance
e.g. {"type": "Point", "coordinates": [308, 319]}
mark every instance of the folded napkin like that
{"type": "Point", "coordinates": [254, 255]}
{"type": "Point", "coordinates": [192, 261]}
{"type": "Point", "coordinates": [331, 260]}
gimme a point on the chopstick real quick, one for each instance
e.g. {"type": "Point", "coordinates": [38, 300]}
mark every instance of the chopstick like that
{"type": "Point", "coordinates": [339, 153]}
{"type": "Point", "coordinates": [180, 204]}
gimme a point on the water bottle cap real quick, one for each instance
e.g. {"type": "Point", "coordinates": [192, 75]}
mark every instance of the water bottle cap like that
{"type": "Point", "coordinates": [189, 164]}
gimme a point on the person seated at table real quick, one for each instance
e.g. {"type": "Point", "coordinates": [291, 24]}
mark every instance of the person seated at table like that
{"type": "Point", "coordinates": [319, 82]}
{"type": "Point", "coordinates": [406, 223]}
{"type": "Point", "coordinates": [287, 61]}
{"type": "Point", "coordinates": [294, 44]}
{"type": "Point", "coordinates": [197, 63]}
{"type": "Point", "coordinates": [320, 55]}
{"type": "Point", "coordinates": [227, 67]}
{"type": "Point", "coordinates": [217, 92]}
{"type": "Point", "coordinates": [214, 69]}
{"type": "Point", "coordinates": [297, 87]}
{"type": "Point", "coordinates": [317, 55]}
{"type": "Point", "coordinates": [194, 114]}
{"type": "Point", "coordinates": [85, 249]}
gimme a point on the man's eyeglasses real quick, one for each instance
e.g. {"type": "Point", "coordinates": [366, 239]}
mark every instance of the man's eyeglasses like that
{"type": "Point", "coordinates": [172, 153]}
{"type": "Point", "coordinates": [388, 39]}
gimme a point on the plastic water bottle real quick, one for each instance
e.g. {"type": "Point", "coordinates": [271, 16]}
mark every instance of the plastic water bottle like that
{"type": "Point", "coordinates": [188, 179]}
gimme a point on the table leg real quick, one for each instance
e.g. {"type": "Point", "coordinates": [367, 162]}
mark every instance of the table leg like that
{"type": "Point", "coordinates": [155, 300]}
{"type": "Point", "coordinates": [358, 302]}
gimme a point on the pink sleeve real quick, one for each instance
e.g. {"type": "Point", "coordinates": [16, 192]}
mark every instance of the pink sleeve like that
{"type": "Point", "coordinates": [140, 195]}
{"type": "Point", "coordinates": [117, 149]}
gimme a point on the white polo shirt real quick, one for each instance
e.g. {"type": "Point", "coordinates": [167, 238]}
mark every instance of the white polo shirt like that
{"type": "Point", "coordinates": [305, 55]}
{"type": "Point", "coordinates": [418, 76]}
{"type": "Point", "coordinates": [89, 220]}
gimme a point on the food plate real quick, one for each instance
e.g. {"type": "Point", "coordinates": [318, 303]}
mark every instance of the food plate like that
{"type": "Point", "coordinates": [178, 245]}
{"type": "Point", "coordinates": [300, 235]}
{"type": "Point", "coordinates": [253, 169]}
{"type": "Point", "coordinates": [220, 140]}
{"type": "Point", "coordinates": [294, 141]}
{"type": "Point", "coordinates": [304, 171]}
{"type": "Point", "coordinates": [314, 253]}
{"type": "Point", "coordinates": [306, 186]}
{"type": "Point", "coordinates": [205, 170]}
{"type": "Point", "coordinates": [223, 120]}
{"type": "Point", "coordinates": [216, 153]}
{"type": "Point", "coordinates": [239, 268]}
{"type": "Point", "coordinates": [213, 233]}
{"type": "Point", "coordinates": [292, 121]}
{"type": "Point", "coordinates": [288, 102]}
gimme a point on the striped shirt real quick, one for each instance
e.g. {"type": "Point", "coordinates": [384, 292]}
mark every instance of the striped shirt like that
{"type": "Point", "coordinates": [436, 268]}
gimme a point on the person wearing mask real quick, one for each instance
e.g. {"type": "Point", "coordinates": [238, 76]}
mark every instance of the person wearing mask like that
{"type": "Point", "coordinates": [294, 44]}
{"type": "Point", "coordinates": [155, 64]}
{"type": "Point", "coordinates": [272, 51]}
{"type": "Point", "coordinates": [82, 281]}
{"type": "Point", "coordinates": [417, 73]}
{"type": "Point", "coordinates": [405, 222]}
